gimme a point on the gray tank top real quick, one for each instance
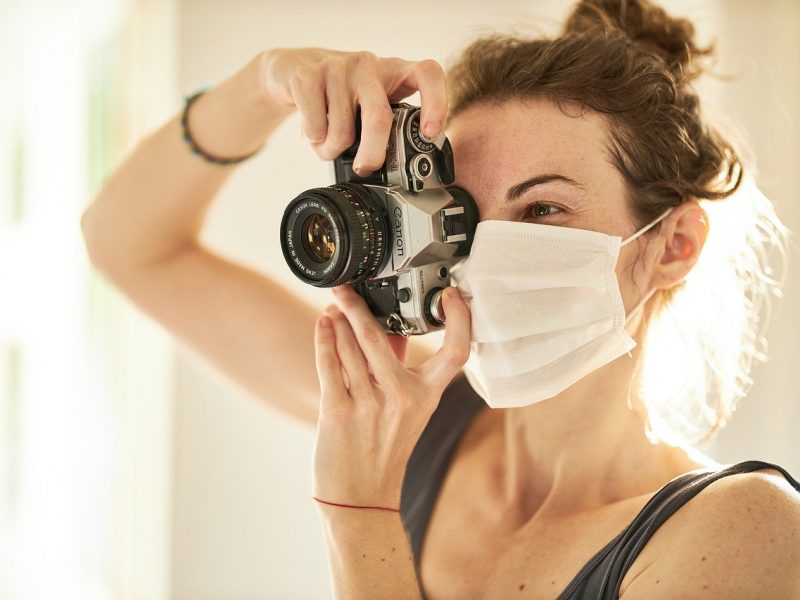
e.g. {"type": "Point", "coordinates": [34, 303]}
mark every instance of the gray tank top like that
{"type": "Point", "coordinates": [601, 577]}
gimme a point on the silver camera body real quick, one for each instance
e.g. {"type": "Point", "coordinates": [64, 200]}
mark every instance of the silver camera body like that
{"type": "Point", "coordinates": [394, 235]}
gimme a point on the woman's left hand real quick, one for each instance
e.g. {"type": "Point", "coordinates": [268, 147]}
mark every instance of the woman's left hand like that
{"type": "Point", "coordinates": [373, 409]}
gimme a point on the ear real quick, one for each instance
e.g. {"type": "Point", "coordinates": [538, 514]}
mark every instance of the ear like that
{"type": "Point", "coordinates": [684, 232]}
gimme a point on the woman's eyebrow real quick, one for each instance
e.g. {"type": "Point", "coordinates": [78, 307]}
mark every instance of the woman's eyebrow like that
{"type": "Point", "coordinates": [519, 189]}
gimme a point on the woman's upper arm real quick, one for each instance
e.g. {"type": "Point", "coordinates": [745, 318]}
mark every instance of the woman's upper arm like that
{"type": "Point", "coordinates": [249, 327]}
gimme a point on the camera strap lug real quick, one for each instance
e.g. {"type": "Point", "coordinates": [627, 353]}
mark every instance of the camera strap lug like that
{"type": "Point", "coordinates": [399, 325]}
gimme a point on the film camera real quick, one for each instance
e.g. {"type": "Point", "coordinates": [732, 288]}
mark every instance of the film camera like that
{"type": "Point", "coordinates": [394, 235]}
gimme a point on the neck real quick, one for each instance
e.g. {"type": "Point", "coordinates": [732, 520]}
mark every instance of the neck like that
{"type": "Point", "coordinates": [582, 449]}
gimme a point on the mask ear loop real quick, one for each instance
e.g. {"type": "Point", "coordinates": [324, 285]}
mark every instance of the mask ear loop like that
{"type": "Point", "coordinates": [640, 305]}
{"type": "Point", "coordinates": [636, 309]}
{"type": "Point", "coordinates": [647, 227]}
{"type": "Point", "coordinates": [649, 294]}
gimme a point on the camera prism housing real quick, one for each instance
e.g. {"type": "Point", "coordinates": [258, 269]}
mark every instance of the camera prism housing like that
{"type": "Point", "coordinates": [392, 236]}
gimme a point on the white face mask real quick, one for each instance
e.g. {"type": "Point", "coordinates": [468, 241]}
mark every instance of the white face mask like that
{"type": "Point", "coordinates": [546, 308]}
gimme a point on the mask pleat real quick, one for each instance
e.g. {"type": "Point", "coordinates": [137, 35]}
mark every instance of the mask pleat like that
{"type": "Point", "coordinates": [546, 309]}
{"type": "Point", "coordinates": [516, 356]}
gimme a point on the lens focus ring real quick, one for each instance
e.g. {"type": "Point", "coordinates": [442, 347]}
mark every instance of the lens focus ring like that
{"type": "Point", "coordinates": [342, 223]}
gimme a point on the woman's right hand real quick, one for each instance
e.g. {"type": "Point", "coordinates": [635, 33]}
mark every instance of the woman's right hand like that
{"type": "Point", "coordinates": [327, 85]}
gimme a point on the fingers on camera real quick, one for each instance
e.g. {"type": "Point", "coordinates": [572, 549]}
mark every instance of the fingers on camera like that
{"type": "Point", "coordinates": [341, 124]}
{"type": "Point", "coordinates": [309, 94]}
{"type": "Point", "coordinates": [376, 123]}
{"type": "Point", "coordinates": [326, 99]}
{"type": "Point", "coordinates": [428, 77]}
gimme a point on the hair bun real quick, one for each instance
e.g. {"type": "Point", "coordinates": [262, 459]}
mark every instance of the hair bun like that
{"type": "Point", "coordinates": [673, 39]}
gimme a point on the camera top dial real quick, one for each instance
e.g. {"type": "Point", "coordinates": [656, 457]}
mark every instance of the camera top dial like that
{"type": "Point", "coordinates": [415, 136]}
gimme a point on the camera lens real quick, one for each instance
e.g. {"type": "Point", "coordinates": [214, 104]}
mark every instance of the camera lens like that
{"type": "Point", "coordinates": [318, 238]}
{"type": "Point", "coordinates": [335, 235]}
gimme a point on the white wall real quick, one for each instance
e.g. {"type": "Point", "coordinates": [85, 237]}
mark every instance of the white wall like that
{"type": "Point", "coordinates": [85, 377]}
{"type": "Point", "coordinates": [760, 43]}
{"type": "Point", "coordinates": [244, 523]}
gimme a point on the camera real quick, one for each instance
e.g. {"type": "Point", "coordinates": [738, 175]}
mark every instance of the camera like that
{"type": "Point", "coordinates": [394, 235]}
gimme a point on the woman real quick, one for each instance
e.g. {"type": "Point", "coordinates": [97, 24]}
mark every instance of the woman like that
{"type": "Point", "coordinates": [571, 490]}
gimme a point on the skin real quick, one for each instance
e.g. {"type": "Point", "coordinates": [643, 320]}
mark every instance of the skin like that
{"type": "Point", "coordinates": [373, 409]}
{"type": "Point", "coordinates": [553, 462]}
{"type": "Point", "coordinates": [371, 418]}
{"type": "Point", "coordinates": [548, 465]}
{"type": "Point", "coordinates": [553, 481]}
{"type": "Point", "coordinates": [582, 458]}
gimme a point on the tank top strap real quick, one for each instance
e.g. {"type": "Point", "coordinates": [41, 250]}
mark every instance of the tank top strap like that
{"type": "Point", "coordinates": [431, 457]}
{"type": "Point", "coordinates": [602, 576]}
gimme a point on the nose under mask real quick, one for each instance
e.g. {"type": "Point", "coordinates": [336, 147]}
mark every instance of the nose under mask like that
{"type": "Point", "coordinates": [546, 308]}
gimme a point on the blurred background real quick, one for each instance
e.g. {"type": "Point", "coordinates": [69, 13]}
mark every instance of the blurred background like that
{"type": "Point", "coordinates": [129, 468]}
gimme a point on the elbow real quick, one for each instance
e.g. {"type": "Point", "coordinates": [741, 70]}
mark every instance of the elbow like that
{"type": "Point", "coordinates": [99, 249]}
{"type": "Point", "coordinates": [90, 241]}
{"type": "Point", "coordinates": [118, 250]}
{"type": "Point", "coordinates": [86, 231]}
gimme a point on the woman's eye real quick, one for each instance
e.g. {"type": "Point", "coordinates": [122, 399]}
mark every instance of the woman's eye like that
{"type": "Point", "coordinates": [541, 210]}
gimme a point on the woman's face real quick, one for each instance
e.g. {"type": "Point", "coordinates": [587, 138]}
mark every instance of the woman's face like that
{"type": "Point", "coordinates": [499, 147]}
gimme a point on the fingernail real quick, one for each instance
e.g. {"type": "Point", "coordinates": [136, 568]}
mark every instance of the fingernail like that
{"type": "Point", "coordinates": [360, 170]}
{"type": "Point", "coordinates": [431, 128]}
{"type": "Point", "coordinates": [325, 322]}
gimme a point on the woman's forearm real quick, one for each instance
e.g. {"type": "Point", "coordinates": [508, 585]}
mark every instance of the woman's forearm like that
{"type": "Point", "coordinates": [370, 555]}
{"type": "Point", "coordinates": [154, 204]}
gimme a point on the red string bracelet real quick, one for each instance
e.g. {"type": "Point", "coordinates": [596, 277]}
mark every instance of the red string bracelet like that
{"type": "Point", "coordinates": [354, 506]}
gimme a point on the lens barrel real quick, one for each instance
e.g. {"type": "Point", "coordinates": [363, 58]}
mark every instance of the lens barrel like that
{"type": "Point", "coordinates": [335, 235]}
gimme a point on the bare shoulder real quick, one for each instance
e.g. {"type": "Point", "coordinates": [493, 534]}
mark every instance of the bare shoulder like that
{"type": "Point", "coordinates": [738, 538]}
